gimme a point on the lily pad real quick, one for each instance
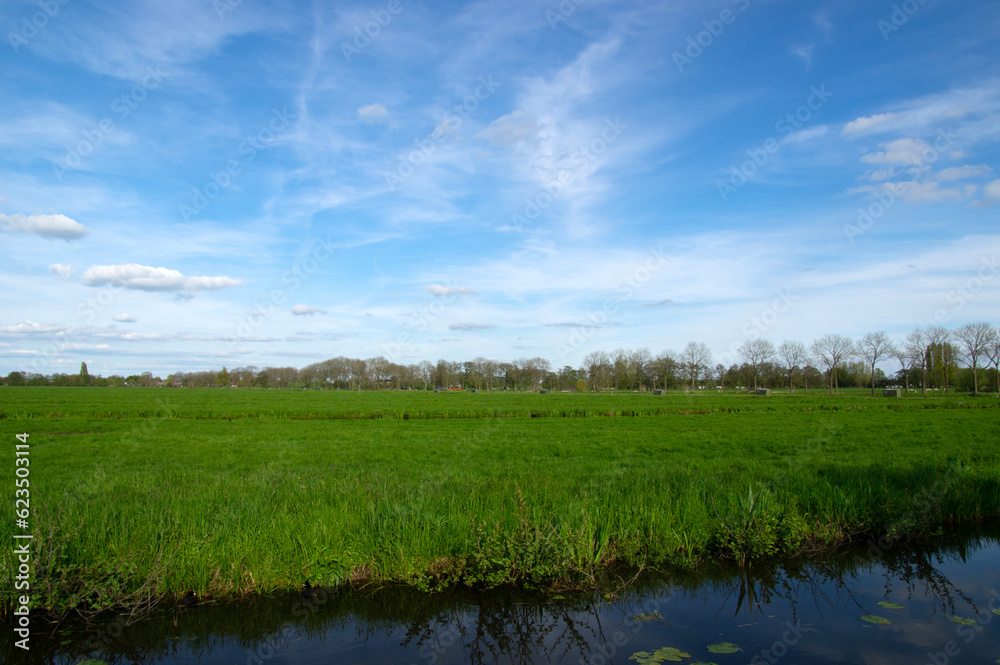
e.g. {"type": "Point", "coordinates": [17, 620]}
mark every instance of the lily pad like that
{"type": "Point", "coordinates": [890, 606]}
{"type": "Point", "coordinates": [557, 597]}
{"type": "Point", "coordinates": [647, 616]}
{"type": "Point", "coordinates": [997, 612]}
{"type": "Point", "coordinates": [723, 647]}
{"type": "Point", "coordinates": [963, 621]}
{"type": "Point", "coordinates": [670, 654]}
{"type": "Point", "coordinates": [871, 618]}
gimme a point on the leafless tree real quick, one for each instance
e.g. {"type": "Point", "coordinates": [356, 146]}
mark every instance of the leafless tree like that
{"type": "Point", "coordinates": [756, 352]}
{"type": "Point", "coordinates": [696, 357]}
{"type": "Point", "coordinates": [832, 350]}
{"type": "Point", "coordinates": [874, 346]}
{"type": "Point", "coordinates": [792, 354]}
{"type": "Point", "coordinates": [975, 338]}
{"type": "Point", "coordinates": [993, 353]}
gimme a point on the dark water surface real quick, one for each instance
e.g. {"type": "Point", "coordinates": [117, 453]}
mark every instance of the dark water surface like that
{"type": "Point", "coordinates": [796, 613]}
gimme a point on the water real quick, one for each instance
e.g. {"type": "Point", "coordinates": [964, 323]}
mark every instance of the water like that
{"type": "Point", "coordinates": [795, 613]}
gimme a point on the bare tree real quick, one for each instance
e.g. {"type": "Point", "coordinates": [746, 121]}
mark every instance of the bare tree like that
{"type": "Point", "coordinates": [832, 349]}
{"type": "Point", "coordinates": [975, 338]}
{"type": "Point", "coordinates": [874, 346]}
{"type": "Point", "coordinates": [596, 364]}
{"type": "Point", "coordinates": [640, 360]}
{"type": "Point", "coordinates": [993, 353]}
{"type": "Point", "coordinates": [666, 365]}
{"type": "Point", "coordinates": [916, 349]}
{"type": "Point", "coordinates": [756, 352]}
{"type": "Point", "coordinates": [696, 357]}
{"type": "Point", "coordinates": [906, 361]}
{"type": "Point", "coordinates": [792, 354]}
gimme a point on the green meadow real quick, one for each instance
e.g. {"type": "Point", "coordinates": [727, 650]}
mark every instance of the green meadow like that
{"type": "Point", "coordinates": [142, 494]}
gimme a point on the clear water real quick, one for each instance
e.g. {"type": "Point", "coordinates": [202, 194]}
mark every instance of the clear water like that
{"type": "Point", "coordinates": [795, 613]}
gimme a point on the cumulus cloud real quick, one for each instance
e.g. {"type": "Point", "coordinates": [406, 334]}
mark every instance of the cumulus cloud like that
{"type": "Point", "coordinates": [125, 318]}
{"type": "Point", "coordinates": [61, 271]}
{"type": "Point", "coordinates": [439, 290]}
{"type": "Point", "coordinates": [373, 114]}
{"type": "Point", "coordinates": [510, 129]}
{"type": "Point", "coordinates": [147, 278]}
{"type": "Point", "coordinates": [306, 310]}
{"type": "Point", "coordinates": [469, 326]}
{"type": "Point", "coordinates": [900, 151]}
{"type": "Point", "coordinates": [31, 328]}
{"type": "Point", "coordinates": [863, 123]}
{"type": "Point", "coordinates": [47, 226]}
{"type": "Point", "coordinates": [962, 172]}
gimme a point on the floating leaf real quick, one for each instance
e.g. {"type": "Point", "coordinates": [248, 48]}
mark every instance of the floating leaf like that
{"type": "Point", "coordinates": [643, 658]}
{"type": "Point", "coordinates": [558, 597]}
{"type": "Point", "coordinates": [890, 606]}
{"type": "Point", "coordinates": [648, 616]}
{"type": "Point", "coordinates": [723, 647]}
{"type": "Point", "coordinates": [963, 621]}
{"type": "Point", "coordinates": [669, 653]}
{"type": "Point", "coordinates": [871, 618]}
{"type": "Point", "coordinates": [997, 612]}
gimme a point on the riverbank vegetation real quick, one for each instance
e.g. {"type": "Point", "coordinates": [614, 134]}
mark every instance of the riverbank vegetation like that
{"type": "Point", "coordinates": [141, 495]}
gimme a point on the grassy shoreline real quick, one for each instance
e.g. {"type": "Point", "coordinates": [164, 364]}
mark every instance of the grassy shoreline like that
{"type": "Point", "coordinates": [157, 498]}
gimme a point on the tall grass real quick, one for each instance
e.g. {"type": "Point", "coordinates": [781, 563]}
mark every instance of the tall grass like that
{"type": "Point", "coordinates": [135, 508]}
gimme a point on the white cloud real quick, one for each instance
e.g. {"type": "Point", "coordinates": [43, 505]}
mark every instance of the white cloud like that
{"type": "Point", "coordinates": [992, 190]}
{"type": "Point", "coordinates": [125, 318]}
{"type": "Point", "coordinates": [913, 191]}
{"type": "Point", "coordinates": [306, 310]}
{"type": "Point", "coordinates": [31, 328]}
{"type": "Point", "coordinates": [510, 129]}
{"type": "Point", "coordinates": [373, 114]}
{"type": "Point", "coordinates": [861, 124]}
{"type": "Point", "coordinates": [962, 173]}
{"type": "Point", "coordinates": [47, 226]}
{"type": "Point", "coordinates": [72, 346]}
{"type": "Point", "coordinates": [806, 135]}
{"type": "Point", "coordinates": [439, 290]}
{"type": "Point", "coordinates": [147, 278]}
{"type": "Point", "coordinates": [900, 151]}
{"type": "Point", "coordinates": [469, 326]}
{"type": "Point", "coordinates": [61, 271]}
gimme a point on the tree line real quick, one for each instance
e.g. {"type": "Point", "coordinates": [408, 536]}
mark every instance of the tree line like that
{"type": "Point", "coordinates": [929, 358]}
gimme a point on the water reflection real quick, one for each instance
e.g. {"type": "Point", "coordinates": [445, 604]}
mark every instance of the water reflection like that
{"type": "Point", "coordinates": [938, 601]}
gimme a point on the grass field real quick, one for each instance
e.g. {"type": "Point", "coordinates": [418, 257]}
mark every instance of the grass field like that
{"type": "Point", "coordinates": [143, 493]}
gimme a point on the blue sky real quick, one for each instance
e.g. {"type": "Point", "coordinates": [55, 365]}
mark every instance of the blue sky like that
{"type": "Point", "coordinates": [201, 183]}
